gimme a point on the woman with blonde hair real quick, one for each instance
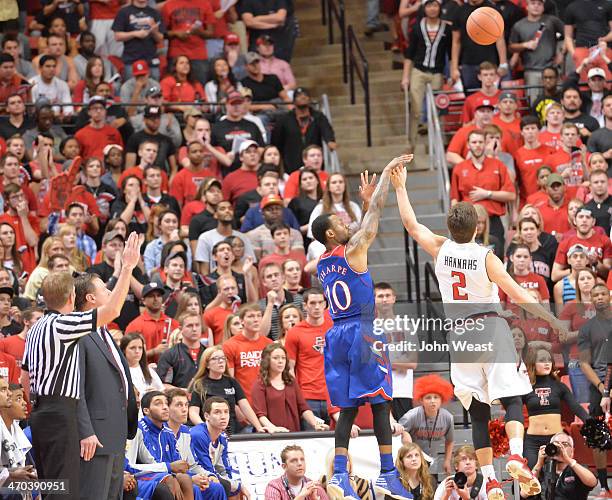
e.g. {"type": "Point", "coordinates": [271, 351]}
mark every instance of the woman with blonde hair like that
{"type": "Point", "coordinates": [483, 235]}
{"type": "Point", "coordinates": [360, 485]}
{"type": "Point", "coordinates": [213, 379]}
{"type": "Point", "coordinates": [336, 201]}
{"type": "Point", "coordinates": [414, 472]}
{"type": "Point", "coordinates": [233, 326]}
{"type": "Point", "coordinates": [288, 316]}
{"type": "Point", "coordinates": [68, 235]}
{"type": "Point", "coordinates": [51, 246]}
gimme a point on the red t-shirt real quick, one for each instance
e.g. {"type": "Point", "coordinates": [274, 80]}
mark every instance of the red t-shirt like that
{"type": "Point", "coordinates": [537, 199]}
{"type": "Point", "coordinates": [153, 330]}
{"type": "Point", "coordinates": [292, 187]}
{"type": "Point", "coordinates": [595, 244]}
{"type": "Point", "coordinates": [107, 10]}
{"type": "Point", "coordinates": [527, 162]}
{"type": "Point", "coordinates": [469, 106]}
{"type": "Point", "coordinates": [192, 208]}
{"type": "Point", "coordinates": [174, 91]}
{"type": "Point", "coordinates": [239, 182]}
{"type": "Point", "coordinates": [553, 140]}
{"type": "Point", "coordinates": [511, 132]}
{"type": "Point", "coordinates": [13, 345]}
{"type": "Point", "coordinates": [26, 252]}
{"type": "Point", "coordinates": [244, 356]}
{"type": "Point", "coordinates": [304, 344]}
{"type": "Point", "coordinates": [186, 182]}
{"type": "Point", "coordinates": [530, 281]}
{"type": "Point", "coordinates": [9, 368]}
{"type": "Point", "coordinates": [215, 319]}
{"type": "Point", "coordinates": [577, 315]}
{"type": "Point", "coordinates": [94, 140]}
{"type": "Point", "coordinates": [138, 172]}
{"type": "Point", "coordinates": [492, 176]}
{"type": "Point", "coordinates": [554, 219]}
{"type": "Point", "coordinates": [209, 162]}
{"type": "Point", "coordinates": [182, 15]}
{"type": "Point", "coordinates": [537, 329]}
{"type": "Point", "coordinates": [571, 171]}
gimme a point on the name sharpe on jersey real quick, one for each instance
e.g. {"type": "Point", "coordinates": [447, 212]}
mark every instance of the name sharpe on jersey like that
{"type": "Point", "coordinates": [333, 268]}
{"type": "Point", "coordinates": [463, 264]}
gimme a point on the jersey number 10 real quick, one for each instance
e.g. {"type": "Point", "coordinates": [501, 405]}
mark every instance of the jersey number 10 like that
{"type": "Point", "coordinates": [334, 302]}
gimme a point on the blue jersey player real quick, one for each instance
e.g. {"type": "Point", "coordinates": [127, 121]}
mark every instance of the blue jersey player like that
{"type": "Point", "coordinates": [355, 371]}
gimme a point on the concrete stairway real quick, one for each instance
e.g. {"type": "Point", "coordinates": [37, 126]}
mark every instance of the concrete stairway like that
{"type": "Point", "coordinates": [318, 66]}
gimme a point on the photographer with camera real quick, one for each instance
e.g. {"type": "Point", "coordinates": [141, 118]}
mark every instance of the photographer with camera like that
{"type": "Point", "coordinates": [563, 477]}
{"type": "Point", "coordinates": [467, 483]}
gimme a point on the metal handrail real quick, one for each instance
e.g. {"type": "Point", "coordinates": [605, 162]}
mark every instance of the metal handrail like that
{"type": "Point", "coordinates": [436, 150]}
{"type": "Point", "coordinates": [330, 158]}
{"type": "Point", "coordinates": [331, 9]}
{"type": "Point", "coordinates": [363, 73]}
{"type": "Point", "coordinates": [412, 268]}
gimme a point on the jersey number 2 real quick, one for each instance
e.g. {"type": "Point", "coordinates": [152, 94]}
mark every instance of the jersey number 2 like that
{"type": "Point", "coordinates": [458, 285]}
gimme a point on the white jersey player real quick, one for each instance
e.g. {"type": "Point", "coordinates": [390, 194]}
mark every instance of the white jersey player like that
{"type": "Point", "coordinates": [469, 276]}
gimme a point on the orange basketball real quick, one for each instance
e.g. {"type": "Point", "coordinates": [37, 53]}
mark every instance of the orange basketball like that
{"type": "Point", "coordinates": [485, 25]}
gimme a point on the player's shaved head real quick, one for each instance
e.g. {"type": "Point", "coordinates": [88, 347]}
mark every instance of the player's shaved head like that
{"type": "Point", "coordinates": [320, 226]}
{"type": "Point", "coordinates": [461, 221]}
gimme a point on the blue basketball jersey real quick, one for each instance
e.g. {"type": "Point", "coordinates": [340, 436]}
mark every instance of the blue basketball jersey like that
{"type": "Point", "coordinates": [350, 294]}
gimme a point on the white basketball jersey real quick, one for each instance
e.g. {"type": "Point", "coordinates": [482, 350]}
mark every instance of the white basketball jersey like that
{"type": "Point", "coordinates": [463, 280]}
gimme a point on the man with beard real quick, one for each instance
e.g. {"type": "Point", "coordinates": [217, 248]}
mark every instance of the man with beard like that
{"type": "Point", "coordinates": [598, 247]}
{"type": "Point", "coordinates": [87, 47]}
{"type": "Point", "coordinates": [299, 127]}
{"type": "Point", "coordinates": [206, 241]}
{"type": "Point", "coordinates": [107, 411]}
{"type": "Point", "coordinates": [572, 105]}
{"type": "Point", "coordinates": [484, 181]}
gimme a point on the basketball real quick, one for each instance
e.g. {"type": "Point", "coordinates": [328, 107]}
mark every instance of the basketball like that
{"type": "Point", "coordinates": [485, 25]}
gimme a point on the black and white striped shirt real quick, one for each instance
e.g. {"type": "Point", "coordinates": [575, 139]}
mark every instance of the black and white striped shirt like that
{"type": "Point", "coordinates": [52, 352]}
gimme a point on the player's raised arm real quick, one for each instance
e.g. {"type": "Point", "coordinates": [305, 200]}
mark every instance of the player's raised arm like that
{"type": "Point", "coordinates": [519, 295]}
{"type": "Point", "coordinates": [430, 241]}
{"type": "Point", "coordinates": [357, 247]}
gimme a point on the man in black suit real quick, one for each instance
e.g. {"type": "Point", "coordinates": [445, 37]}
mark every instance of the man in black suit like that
{"type": "Point", "coordinates": [107, 411]}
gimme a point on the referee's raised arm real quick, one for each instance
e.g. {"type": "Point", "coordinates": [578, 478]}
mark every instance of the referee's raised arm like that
{"type": "Point", "coordinates": [52, 360]}
{"type": "Point", "coordinates": [129, 260]}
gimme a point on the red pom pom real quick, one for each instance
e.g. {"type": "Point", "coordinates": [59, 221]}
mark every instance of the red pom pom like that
{"type": "Point", "coordinates": [499, 438]}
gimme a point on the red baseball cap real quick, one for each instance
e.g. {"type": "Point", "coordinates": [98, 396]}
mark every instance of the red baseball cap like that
{"type": "Point", "coordinates": [140, 67]}
{"type": "Point", "coordinates": [484, 102]}
{"type": "Point", "coordinates": [271, 199]}
{"type": "Point", "coordinates": [232, 38]}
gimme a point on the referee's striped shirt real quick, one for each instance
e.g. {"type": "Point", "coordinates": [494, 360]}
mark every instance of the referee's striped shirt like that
{"type": "Point", "coordinates": [52, 352]}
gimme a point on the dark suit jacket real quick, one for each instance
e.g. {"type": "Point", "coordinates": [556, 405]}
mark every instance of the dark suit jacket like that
{"type": "Point", "coordinates": [102, 409]}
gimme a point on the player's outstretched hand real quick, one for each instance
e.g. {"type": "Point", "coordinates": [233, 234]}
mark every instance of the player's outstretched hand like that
{"type": "Point", "coordinates": [131, 252]}
{"type": "Point", "coordinates": [399, 161]}
{"type": "Point", "coordinates": [398, 176]}
{"type": "Point", "coordinates": [366, 190]}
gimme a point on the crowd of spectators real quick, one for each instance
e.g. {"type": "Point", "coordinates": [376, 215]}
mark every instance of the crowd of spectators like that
{"type": "Point", "coordinates": [182, 121]}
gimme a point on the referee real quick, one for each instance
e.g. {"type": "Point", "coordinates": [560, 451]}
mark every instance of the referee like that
{"type": "Point", "coordinates": [52, 359]}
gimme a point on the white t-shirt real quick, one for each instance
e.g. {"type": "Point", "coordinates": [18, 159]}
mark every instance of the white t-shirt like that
{"type": "Point", "coordinates": [141, 384]}
{"type": "Point", "coordinates": [340, 212]}
{"type": "Point", "coordinates": [56, 92]}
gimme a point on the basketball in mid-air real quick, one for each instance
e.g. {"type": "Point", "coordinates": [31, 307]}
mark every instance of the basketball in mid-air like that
{"type": "Point", "coordinates": [485, 25]}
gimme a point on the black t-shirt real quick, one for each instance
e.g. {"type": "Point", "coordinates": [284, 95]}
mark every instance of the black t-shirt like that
{"type": "Point", "coordinates": [244, 202]}
{"type": "Point", "coordinates": [166, 199]}
{"type": "Point", "coordinates": [590, 20]}
{"type": "Point", "coordinates": [66, 10]}
{"type": "Point", "coordinates": [130, 309]}
{"type": "Point", "coordinates": [13, 328]}
{"type": "Point", "coordinates": [262, 8]}
{"type": "Point", "coordinates": [471, 52]}
{"type": "Point", "coordinates": [602, 212]}
{"type": "Point", "coordinates": [584, 120]}
{"type": "Point", "coordinates": [266, 90]}
{"type": "Point", "coordinates": [138, 222]}
{"type": "Point", "coordinates": [511, 14]}
{"type": "Point", "coordinates": [208, 290]}
{"type": "Point", "coordinates": [568, 486]}
{"type": "Point", "coordinates": [204, 221]}
{"type": "Point", "coordinates": [302, 207]}
{"type": "Point", "coordinates": [131, 18]}
{"type": "Point", "coordinates": [166, 147]}
{"type": "Point", "coordinates": [227, 388]}
{"type": "Point", "coordinates": [225, 131]}
{"type": "Point", "coordinates": [8, 130]}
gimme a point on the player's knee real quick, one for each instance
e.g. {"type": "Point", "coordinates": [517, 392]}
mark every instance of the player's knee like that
{"type": "Point", "coordinates": [514, 409]}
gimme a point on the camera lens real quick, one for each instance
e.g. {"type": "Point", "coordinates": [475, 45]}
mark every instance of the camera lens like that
{"type": "Point", "coordinates": [460, 479]}
{"type": "Point", "coordinates": [551, 449]}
